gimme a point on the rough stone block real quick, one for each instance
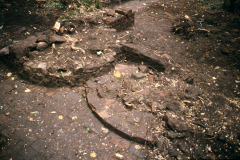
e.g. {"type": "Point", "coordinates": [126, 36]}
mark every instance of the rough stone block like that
{"type": "Point", "coordinates": [111, 12]}
{"type": "Point", "coordinates": [123, 11]}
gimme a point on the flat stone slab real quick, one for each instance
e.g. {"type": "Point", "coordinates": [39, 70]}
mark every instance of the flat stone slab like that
{"type": "Point", "coordinates": [135, 124]}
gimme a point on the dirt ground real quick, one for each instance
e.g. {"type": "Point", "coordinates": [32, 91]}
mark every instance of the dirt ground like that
{"type": "Point", "coordinates": [200, 47]}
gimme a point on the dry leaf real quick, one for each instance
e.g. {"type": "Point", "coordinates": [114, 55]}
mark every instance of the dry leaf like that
{"type": "Point", "coordinates": [27, 90]}
{"type": "Point", "coordinates": [9, 74]}
{"type": "Point", "coordinates": [117, 74]}
{"type": "Point", "coordinates": [137, 147]}
{"type": "Point", "coordinates": [53, 112]}
{"type": "Point", "coordinates": [119, 155]}
{"type": "Point", "coordinates": [13, 78]}
{"type": "Point", "coordinates": [7, 113]}
{"type": "Point", "coordinates": [30, 119]}
{"type": "Point", "coordinates": [74, 118]}
{"type": "Point", "coordinates": [93, 155]}
{"type": "Point", "coordinates": [60, 117]}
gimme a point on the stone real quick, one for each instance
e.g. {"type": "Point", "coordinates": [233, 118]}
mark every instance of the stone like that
{"type": "Point", "coordinates": [143, 68]}
{"type": "Point", "coordinates": [42, 67]}
{"type": "Point", "coordinates": [113, 85]}
{"type": "Point", "coordinates": [111, 12]}
{"type": "Point", "coordinates": [192, 93]}
{"type": "Point", "coordinates": [36, 67]}
{"type": "Point", "coordinates": [114, 20]}
{"type": "Point", "coordinates": [162, 106]}
{"type": "Point", "coordinates": [23, 47]}
{"type": "Point", "coordinates": [138, 75]}
{"type": "Point", "coordinates": [101, 93]}
{"type": "Point", "coordinates": [162, 144]}
{"type": "Point", "coordinates": [145, 54]}
{"type": "Point", "coordinates": [91, 68]}
{"type": "Point", "coordinates": [41, 46]}
{"type": "Point", "coordinates": [4, 51]}
{"type": "Point", "coordinates": [126, 84]}
{"type": "Point", "coordinates": [154, 106]}
{"type": "Point", "coordinates": [56, 39]}
{"type": "Point", "coordinates": [126, 70]}
{"type": "Point", "coordinates": [173, 152]}
{"type": "Point", "coordinates": [123, 11]}
{"type": "Point", "coordinates": [95, 48]}
{"type": "Point", "coordinates": [77, 67]}
{"type": "Point", "coordinates": [175, 106]}
{"type": "Point", "coordinates": [174, 123]}
{"type": "Point", "coordinates": [171, 134]}
{"type": "Point", "coordinates": [182, 147]}
{"type": "Point", "coordinates": [150, 78]}
{"type": "Point", "coordinates": [42, 38]}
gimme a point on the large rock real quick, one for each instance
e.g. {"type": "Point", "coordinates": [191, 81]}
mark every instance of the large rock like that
{"type": "Point", "coordinates": [21, 49]}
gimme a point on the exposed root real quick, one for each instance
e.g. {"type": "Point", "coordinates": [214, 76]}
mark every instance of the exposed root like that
{"type": "Point", "coordinates": [76, 48]}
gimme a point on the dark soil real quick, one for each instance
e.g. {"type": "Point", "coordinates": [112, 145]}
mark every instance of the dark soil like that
{"type": "Point", "coordinates": [201, 49]}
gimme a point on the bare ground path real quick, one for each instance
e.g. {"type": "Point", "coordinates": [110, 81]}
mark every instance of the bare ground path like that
{"type": "Point", "coordinates": [143, 92]}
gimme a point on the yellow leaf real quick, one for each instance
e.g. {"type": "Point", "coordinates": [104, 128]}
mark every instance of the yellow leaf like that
{"type": "Point", "coordinates": [30, 119]}
{"type": "Point", "coordinates": [13, 78]}
{"type": "Point", "coordinates": [27, 90]}
{"type": "Point", "coordinates": [93, 155]}
{"type": "Point", "coordinates": [117, 74]}
{"type": "Point", "coordinates": [60, 117]}
{"type": "Point", "coordinates": [9, 74]}
{"type": "Point", "coordinates": [74, 118]}
{"type": "Point", "coordinates": [119, 155]}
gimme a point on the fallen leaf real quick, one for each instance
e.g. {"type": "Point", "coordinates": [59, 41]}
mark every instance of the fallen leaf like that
{"type": "Point", "coordinates": [60, 117]}
{"type": "Point", "coordinates": [93, 155]}
{"type": "Point", "coordinates": [74, 118]}
{"type": "Point", "coordinates": [30, 119]}
{"type": "Point", "coordinates": [7, 113]}
{"type": "Point", "coordinates": [27, 90]}
{"type": "Point", "coordinates": [13, 78]}
{"type": "Point", "coordinates": [9, 74]}
{"type": "Point", "coordinates": [137, 147]}
{"type": "Point", "coordinates": [119, 155]}
{"type": "Point", "coordinates": [117, 74]}
{"type": "Point", "coordinates": [53, 112]}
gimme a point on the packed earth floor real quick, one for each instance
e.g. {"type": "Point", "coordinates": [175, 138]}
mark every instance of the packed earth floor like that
{"type": "Point", "coordinates": [133, 80]}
